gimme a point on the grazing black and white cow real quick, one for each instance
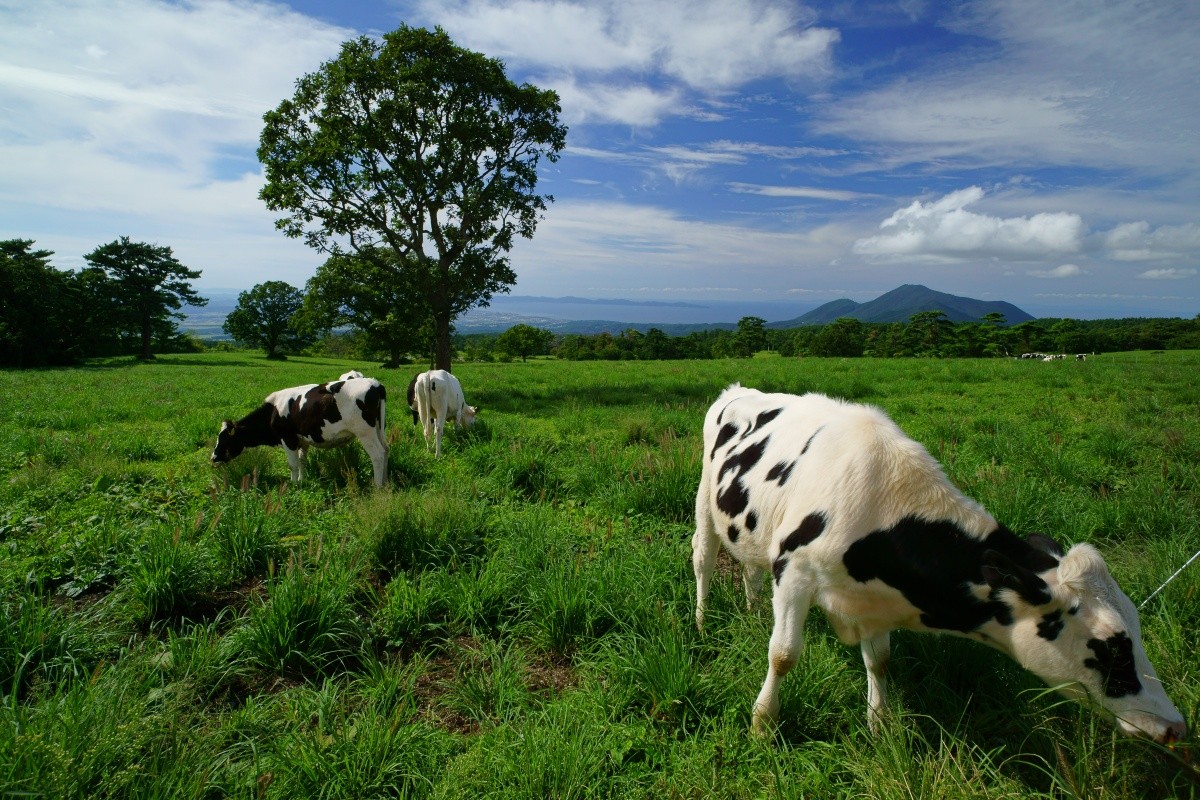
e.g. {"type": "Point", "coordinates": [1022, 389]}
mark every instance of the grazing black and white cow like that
{"type": "Point", "coordinates": [848, 513]}
{"type": "Point", "coordinates": [313, 415]}
{"type": "Point", "coordinates": [434, 397]}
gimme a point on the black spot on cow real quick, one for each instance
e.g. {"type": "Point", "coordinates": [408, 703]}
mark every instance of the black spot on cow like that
{"type": "Point", "coordinates": [724, 435]}
{"type": "Point", "coordinates": [804, 449]}
{"type": "Point", "coordinates": [745, 459]}
{"type": "Point", "coordinates": [806, 532]}
{"type": "Point", "coordinates": [335, 387]}
{"type": "Point", "coordinates": [751, 521]}
{"type": "Point", "coordinates": [777, 568]}
{"type": "Point", "coordinates": [781, 472]}
{"type": "Point", "coordinates": [1051, 625]}
{"type": "Point", "coordinates": [370, 403]}
{"type": "Point", "coordinates": [735, 498]}
{"type": "Point", "coordinates": [933, 563]}
{"type": "Point", "coordinates": [765, 417]}
{"type": "Point", "coordinates": [733, 533]}
{"type": "Point", "coordinates": [1114, 662]}
{"type": "Point", "coordinates": [308, 414]}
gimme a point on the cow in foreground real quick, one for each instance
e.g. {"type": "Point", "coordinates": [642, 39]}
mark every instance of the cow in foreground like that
{"type": "Point", "coordinates": [313, 415]}
{"type": "Point", "coordinates": [434, 397]}
{"type": "Point", "coordinates": [848, 513]}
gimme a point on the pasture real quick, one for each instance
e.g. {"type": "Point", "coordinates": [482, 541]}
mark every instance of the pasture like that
{"type": "Point", "coordinates": [515, 619]}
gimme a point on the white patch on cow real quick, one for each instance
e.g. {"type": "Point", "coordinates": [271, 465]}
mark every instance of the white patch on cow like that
{"type": "Point", "coordinates": [438, 397]}
{"type": "Point", "coordinates": [805, 488]}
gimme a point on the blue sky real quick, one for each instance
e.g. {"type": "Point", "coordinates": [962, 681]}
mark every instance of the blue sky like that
{"type": "Point", "coordinates": [1047, 154]}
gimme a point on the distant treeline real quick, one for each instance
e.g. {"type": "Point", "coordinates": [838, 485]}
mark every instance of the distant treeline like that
{"type": "Point", "coordinates": [925, 335]}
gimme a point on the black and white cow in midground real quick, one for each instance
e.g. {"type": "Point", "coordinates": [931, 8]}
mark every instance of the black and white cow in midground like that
{"type": "Point", "coordinates": [847, 513]}
{"type": "Point", "coordinates": [313, 415]}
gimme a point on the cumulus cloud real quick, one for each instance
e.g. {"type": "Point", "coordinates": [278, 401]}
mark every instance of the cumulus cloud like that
{"type": "Point", "coordinates": [1061, 271]}
{"type": "Point", "coordinates": [1168, 274]}
{"type": "Point", "coordinates": [633, 63]}
{"type": "Point", "coordinates": [944, 228]}
{"type": "Point", "coordinates": [1137, 241]}
{"type": "Point", "coordinates": [706, 44]}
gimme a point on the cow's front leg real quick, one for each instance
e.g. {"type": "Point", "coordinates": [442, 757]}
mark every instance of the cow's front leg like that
{"type": "Point", "coordinates": [875, 652]}
{"type": "Point", "coordinates": [705, 547]}
{"type": "Point", "coordinates": [791, 603]}
{"type": "Point", "coordinates": [295, 462]}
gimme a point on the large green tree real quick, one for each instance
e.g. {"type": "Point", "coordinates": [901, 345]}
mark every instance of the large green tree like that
{"type": "Point", "coordinates": [148, 285]}
{"type": "Point", "coordinates": [525, 340]}
{"type": "Point", "coordinates": [371, 292]}
{"type": "Point", "coordinates": [265, 317]}
{"type": "Point", "coordinates": [37, 306]}
{"type": "Point", "coordinates": [413, 145]}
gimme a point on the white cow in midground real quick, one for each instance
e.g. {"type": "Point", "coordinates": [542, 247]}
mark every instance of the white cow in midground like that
{"type": "Point", "coordinates": [848, 513]}
{"type": "Point", "coordinates": [434, 397]}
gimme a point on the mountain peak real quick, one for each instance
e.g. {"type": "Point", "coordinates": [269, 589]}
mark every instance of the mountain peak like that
{"type": "Point", "coordinates": [901, 303]}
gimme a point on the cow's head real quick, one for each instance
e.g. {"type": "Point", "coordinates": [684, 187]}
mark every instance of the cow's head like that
{"type": "Point", "coordinates": [229, 445]}
{"type": "Point", "coordinates": [466, 415]}
{"type": "Point", "coordinates": [1075, 629]}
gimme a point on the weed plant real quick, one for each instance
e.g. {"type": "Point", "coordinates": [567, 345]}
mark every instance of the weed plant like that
{"type": "Point", "coordinates": [514, 619]}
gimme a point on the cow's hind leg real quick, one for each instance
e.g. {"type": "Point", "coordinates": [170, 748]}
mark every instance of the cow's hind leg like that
{"type": "Point", "coordinates": [295, 462]}
{"type": "Point", "coordinates": [752, 581]}
{"type": "Point", "coordinates": [875, 652]}
{"type": "Point", "coordinates": [376, 447]}
{"type": "Point", "coordinates": [791, 603]}
{"type": "Point", "coordinates": [705, 546]}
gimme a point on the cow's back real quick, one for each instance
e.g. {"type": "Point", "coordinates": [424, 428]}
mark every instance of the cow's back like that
{"type": "Point", "coordinates": [778, 464]}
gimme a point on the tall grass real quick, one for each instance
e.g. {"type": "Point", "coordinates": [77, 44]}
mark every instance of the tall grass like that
{"type": "Point", "coordinates": [515, 618]}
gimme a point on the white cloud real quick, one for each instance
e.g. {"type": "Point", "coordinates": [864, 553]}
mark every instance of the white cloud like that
{"type": "Point", "coordinates": [944, 228]}
{"type": "Point", "coordinates": [626, 104]}
{"type": "Point", "coordinates": [140, 118]}
{"type": "Point", "coordinates": [1137, 241]}
{"type": "Point", "coordinates": [1057, 83]}
{"type": "Point", "coordinates": [605, 243]}
{"type": "Point", "coordinates": [1061, 271]}
{"type": "Point", "coordinates": [1168, 274]}
{"type": "Point", "coordinates": [706, 44]}
{"type": "Point", "coordinates": [809, 192]}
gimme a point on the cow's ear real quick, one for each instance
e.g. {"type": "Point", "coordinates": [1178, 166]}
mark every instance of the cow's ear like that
{"type": "Point", "coordinates": [1047, 545]}
{"type": "Point", "coordinates": [227, 426]}
{"type": "Point", "coordinates": [1001, 572]}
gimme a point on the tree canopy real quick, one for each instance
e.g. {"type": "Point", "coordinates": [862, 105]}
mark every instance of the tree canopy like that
{"type": "Point", "coordinates": [38, 305]}
{"type": "Point", "coordinates": [265, 317]}
{"type": "Point", "coordinates": [525, 340]}
{"type": "Point", "coordinates": [419, 148]}
{"type": "Point", "coordinates": [148, 286]}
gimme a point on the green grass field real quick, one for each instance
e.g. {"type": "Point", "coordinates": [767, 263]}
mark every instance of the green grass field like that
{"type": "Point", "coordinates": [515, 620]}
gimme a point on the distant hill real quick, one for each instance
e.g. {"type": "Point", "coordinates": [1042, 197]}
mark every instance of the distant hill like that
{"type": "Point", "coordinates": [901, 303]}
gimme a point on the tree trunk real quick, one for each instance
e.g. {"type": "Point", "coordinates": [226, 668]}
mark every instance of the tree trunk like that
{"type": "Point", "coordinates": [146, 354]}
{"type": "Point", "coordinates": [441, 336]}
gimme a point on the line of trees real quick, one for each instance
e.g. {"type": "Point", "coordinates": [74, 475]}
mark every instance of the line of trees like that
{"type": "Point", "coordinates": [925, 335]}
{"type": "Point", "coordinates": [126, 301]}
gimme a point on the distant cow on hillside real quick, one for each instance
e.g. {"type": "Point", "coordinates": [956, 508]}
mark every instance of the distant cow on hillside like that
{"type": "Point", "coordinates": [313, 415]}
{"type": "Point", "coordinates": [435, 397]}
{"type": "Point", "coordinates": [846, 512]}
